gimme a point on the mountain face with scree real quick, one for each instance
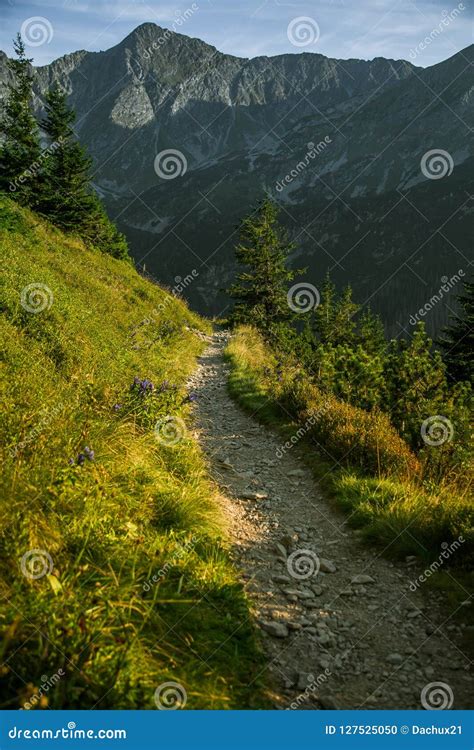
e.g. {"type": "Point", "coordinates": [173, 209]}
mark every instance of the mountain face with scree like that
{"type": "Point", "coordinates": [186, 139]}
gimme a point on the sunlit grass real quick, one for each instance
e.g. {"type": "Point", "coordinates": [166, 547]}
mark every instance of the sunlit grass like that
{"type": "Point", "coordinates": [141, 590]}
{"type": "Point", "coordinates": [396, 510]}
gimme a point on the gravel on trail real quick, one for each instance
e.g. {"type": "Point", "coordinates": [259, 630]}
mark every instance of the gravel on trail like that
{"type": "Point", "coordinates": [340, 625]}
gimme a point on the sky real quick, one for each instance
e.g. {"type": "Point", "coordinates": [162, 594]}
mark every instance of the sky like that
{"type": "Point", "coordinates": [422, 31]}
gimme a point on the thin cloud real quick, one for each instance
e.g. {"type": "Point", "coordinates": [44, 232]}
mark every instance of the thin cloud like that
{"type": "Point", "coordinates": [366, 29]}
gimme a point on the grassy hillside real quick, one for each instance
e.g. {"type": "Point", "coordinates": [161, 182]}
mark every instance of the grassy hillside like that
{"type": "Point", "coordinates": [113, 567]}
{"type": "Point", "coordinates": [359, 457]}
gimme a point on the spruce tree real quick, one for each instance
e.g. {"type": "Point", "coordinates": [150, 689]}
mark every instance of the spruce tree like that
{"type": "Point", "coordinates": [20, 153]}
{"type": "Point", "coordinates": [344, 319]}
{"type": "Point", "coordinates": [325, 312]}
{"type": "Point", "coordinates": [457, 341]}
{"type": "Point", "coordinates": [335, 317]}
{"type": "Point", "coordinates": [260, 291]}
{"type": "Point", "coordinates": [416, 383]}
{"type": "Point", "coordinates": [68, 198]}
{"type": "Point", "coordinates": [371, 335]}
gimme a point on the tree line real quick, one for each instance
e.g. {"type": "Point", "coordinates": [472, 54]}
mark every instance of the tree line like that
{"type": "Point", "coordinates": [44, 167]}
{"type": "Point", "coordinates": [344, 347]}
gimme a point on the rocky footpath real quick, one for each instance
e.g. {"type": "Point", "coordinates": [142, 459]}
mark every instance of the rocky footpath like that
{"type": "Point", "coordinates": [340, 625]}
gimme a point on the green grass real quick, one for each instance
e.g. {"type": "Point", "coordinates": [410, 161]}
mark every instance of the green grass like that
{"type": "Point", "coordinates": [402, 517]}
{"type": "Point", "coordinates": [110, 525]}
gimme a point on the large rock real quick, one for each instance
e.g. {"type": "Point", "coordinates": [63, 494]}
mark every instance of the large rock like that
{"type": "Point", "coordinates": [276, 629]}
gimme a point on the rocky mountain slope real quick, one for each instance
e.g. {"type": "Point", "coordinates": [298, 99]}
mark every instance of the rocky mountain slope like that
{"type": "Point", "coordinates": [338, 143]}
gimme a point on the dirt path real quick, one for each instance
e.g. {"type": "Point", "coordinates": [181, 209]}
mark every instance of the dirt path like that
{"type": "Point", "coordinates": [351, 635]}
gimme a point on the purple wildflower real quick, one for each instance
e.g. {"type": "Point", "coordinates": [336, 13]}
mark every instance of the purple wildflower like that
{"type": "Point", "coordinates": [117, 407]}
{"type": "Point", "coordinates": [71, 462]}
{"type": "Point", "coordinates": [89, 453]}
{"type": "Point", "coordinates": [80, 459]}
{"type": "Point", "coordinates": [192, 396]}
{"type": "Point", "coordinates": [147, 385]}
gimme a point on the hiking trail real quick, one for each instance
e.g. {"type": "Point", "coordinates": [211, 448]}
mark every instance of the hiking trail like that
{"type": "Point", "coordinates": [340, 626]}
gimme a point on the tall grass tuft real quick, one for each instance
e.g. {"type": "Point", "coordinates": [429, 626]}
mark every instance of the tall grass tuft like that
{"type": "Point", "coordinates": [113, 562]}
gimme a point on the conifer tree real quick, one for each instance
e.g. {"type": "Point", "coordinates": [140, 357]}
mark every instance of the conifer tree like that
{"type": "Point", "coordinates": [371, 335]}
{"type": "Point", "coordinates": [458, 338]}
{"type": "Point", "coordinates": [68, 198]}
{"type": "Point", "coordinates": [325, 312]}
{"type": "Point", "coordinates": [260, 292]}
{"type": "Point", "coordinates": [344, 319]}
{"type": "Point", "coordinates": [20, 152]}
{"type": "Point", "coordinates": [416, 383]}
{"type": "Point", "coordinates": [334, 317]}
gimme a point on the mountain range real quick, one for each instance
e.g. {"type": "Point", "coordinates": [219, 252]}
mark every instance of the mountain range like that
{"type": "Point", "coordinates": [369, 161]}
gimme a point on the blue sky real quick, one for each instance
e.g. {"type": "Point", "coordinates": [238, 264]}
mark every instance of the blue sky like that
{"type": "Point", "coordinates": [247, 28]}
